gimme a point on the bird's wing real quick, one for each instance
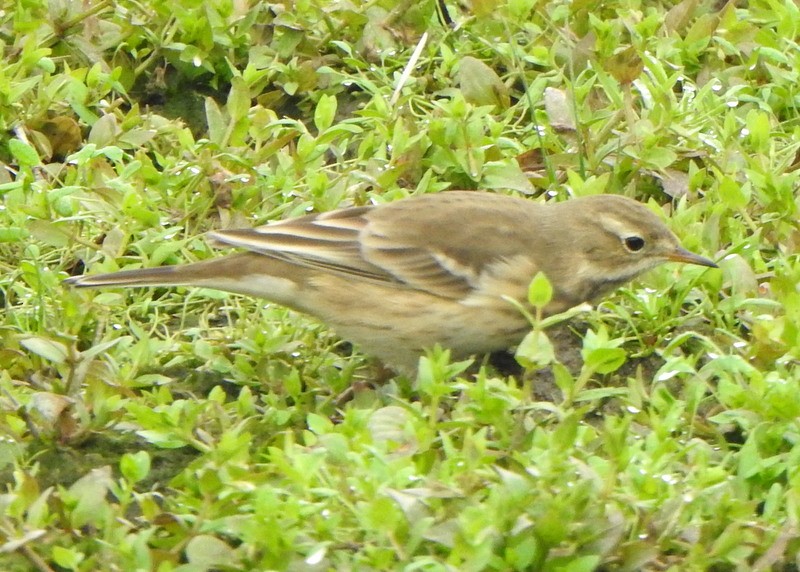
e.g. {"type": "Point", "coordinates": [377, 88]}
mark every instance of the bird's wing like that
{"type": "Point", "coordinates": [442, 244]}
{"type": "Point", "coordinates": [328, 241]}
{"type": "Point", "coordinates": [451, 243]}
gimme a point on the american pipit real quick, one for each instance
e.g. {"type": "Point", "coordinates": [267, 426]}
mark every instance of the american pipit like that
{"type": "Point", "coordinates": [401, 277]}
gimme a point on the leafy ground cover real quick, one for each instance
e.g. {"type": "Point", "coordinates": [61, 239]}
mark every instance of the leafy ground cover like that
{"type": "Point", "coordinates": [192, 430]}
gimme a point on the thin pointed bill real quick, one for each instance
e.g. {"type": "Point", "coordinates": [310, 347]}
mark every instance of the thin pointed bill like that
{"type": "Point", "coordinates": [683, 255]}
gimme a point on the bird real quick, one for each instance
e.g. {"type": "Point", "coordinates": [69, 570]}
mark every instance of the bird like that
{"type": "Point", "coordinates": [442, 268]}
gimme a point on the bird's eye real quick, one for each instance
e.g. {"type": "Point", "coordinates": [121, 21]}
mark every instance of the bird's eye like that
{"type": "Point", "coordinates": [633, 243]}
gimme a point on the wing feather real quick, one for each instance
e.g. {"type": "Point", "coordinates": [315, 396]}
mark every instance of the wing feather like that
{"type": "Point", "coordinates": [425, 243]}
{"type": "Point", "coordinates": [328, 241]}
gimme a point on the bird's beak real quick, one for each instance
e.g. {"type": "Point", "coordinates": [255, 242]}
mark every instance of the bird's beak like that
{"type": "Point", "coordinates": [682, 255]}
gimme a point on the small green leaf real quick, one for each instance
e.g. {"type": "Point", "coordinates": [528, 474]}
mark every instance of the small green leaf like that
{"type": "Point", "coordinates": [625, 65]}
{"type": "Point", "coordinates": [703, 28]}
{"type": "Point", "coordinates": [505, 175]}
{"type": "Point", "coordinates": [13, 234]}
{"type": "Point", "coordinates": [104, 131]}
{"type": "Point", "coordinates": [658, 157]}
{"type": "Point", "coordinates": [25, 155]}
{"type": "Point", "coordinates": [540, 291]}
{"type": "Point", "coordinates": [245, 404]}
{"type": "Point", "coordinates": [566, 432]}
{"type": "Point", "coordinates": [563, 378]}
{"type": "Point", "coordinates": [89, 495]}
{"type": "Point", "coordinates": [290, 87]}
{"type": "Point", "coordinates": [733, 195]}
{"type": "Point", "coordinates": [207, 552]}
{"type": "Point", "coordinates": [604, 360]}
{"type": "Point", "coordinates": [481, 85]}
{"type": "Point", "coordinates": [759, 129]}
{"type": "Point", "coordinates": [318, 424]}
{"type": "Point", "coordinates": [601, 393]}
{"type": "Point", "coordinates": [50, 350]}
{"type": "Point", "coordinates": [68, 558]}
{"type": "Point", "coordinates": [216, 122]}
{"type": "Point", "coordinates": [46, 64]}
{"type": "Point", "coordinates": [581, 564]}
{"type": "Point", "coordinates": [325, 112]}
{"type": "Point", "coordinates": [535, 350]}
{"type": "Point", "coordinates": [163, 439]}
{"type": "Point", "coordinates": [238, 104]}
{"type": "Point", "coordinates": [50, 233]}
{"type": "Point", "coordinates": [135, 466]}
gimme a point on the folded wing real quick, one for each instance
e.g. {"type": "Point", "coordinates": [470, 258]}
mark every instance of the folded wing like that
{"type": "Point", "coordinates": [426, 243]}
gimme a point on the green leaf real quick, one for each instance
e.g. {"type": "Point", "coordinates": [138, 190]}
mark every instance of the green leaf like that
{"type": "Point", "coordinates": [563, 378]}
{"type": "Point", "coordinates": [89, 495]}
{"type": "Point", "coordinates": [481, 85]}
{"type": "Point", "coordinates": [540, 291]}
{"type": "Point", "coordinates": [163, 439]}
{"type": "Point", "coordinates": [50, 233]}
{"type": "Point", "coordinates": [13, 234]}
{"type": "Point", "coordinates": [505, 175]}
{"type": "Point", "coordinates": [46, 64]}
{"type": "Point", "coordinates": [50, 350]}
{"type": "Point", "coordinates": [702, 30]}
{"type": "Point", "coordinates": [536, 350]}
{"type": "Point", "coordinates": [604, 360]}
{"type": "Point", "coordinates": [734, 195]}
{"type": "Point", "coordinates": [104, 131]}
{"type": "Point", "coordinates": [67, 557]}
{"type": "Point", "coordinates": [325, 112]}
{"type": "Point", "coordinates": [238, 104]}
{"type": "Point", "coordinates": [25, 155]}
{"type": "Point", "coordinates": [318, 424]}
{"type": "Point", "coordinates": [135, 466]}
{"type": "Point", "coordinates": [759, 129]}
{"type": "Point", "coordinates": [658, 157]}
{"type": "Point", "coordinates": [579, 564]}
{"type": "Point", "coordinates": [625, 65]}
{"type": "Point", "coordinates": [216, 122]}
{"type": "Point", "coordinates": [567, 431]}
{"type": "Point", "coordinates": [206, 552]}
{"type": "Point", "coordinates": [601, 393]}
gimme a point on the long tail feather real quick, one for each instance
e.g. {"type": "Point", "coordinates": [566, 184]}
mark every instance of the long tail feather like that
{"type": "Point", "coordinates": [242, 273]}
{"type": "Point", "coordinates": [162, 276]}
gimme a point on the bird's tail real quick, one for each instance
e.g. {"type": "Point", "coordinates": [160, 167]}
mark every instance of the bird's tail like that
{"type": "Point", "coordinates": [246, 273]}
{"type": "Point", "coordinates": [204, 273]}
{"type": "Point", "coordinates": [161, 276]}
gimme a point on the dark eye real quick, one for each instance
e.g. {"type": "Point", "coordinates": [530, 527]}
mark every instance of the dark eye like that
{"type": "Point", "coordinates": [634, 243]}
